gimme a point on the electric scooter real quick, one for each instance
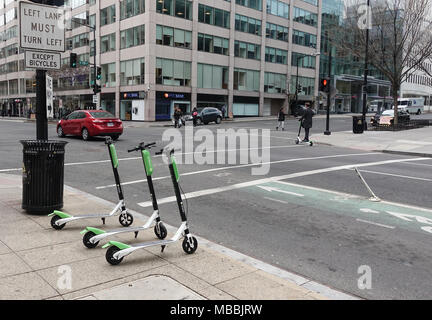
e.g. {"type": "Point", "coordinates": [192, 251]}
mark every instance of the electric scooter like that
{"type": "Point", "coordinates": [118, 250]}
{"type": "Point", "coordinates": [59, 218]}
{"type": "Point", "coordinates": [92, 236]}
{"type": "Point", "coordinates": [299, 140]}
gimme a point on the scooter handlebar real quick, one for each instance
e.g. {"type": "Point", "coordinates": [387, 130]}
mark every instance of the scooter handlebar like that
{"type": "Point", "coordinates": [142, 146]}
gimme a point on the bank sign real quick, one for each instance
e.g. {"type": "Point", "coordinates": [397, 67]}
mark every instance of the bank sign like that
{"type": "Point", "coordinates": [42, 27]}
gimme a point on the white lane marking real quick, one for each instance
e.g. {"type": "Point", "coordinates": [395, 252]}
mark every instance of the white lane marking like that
{"type": "Point", "coordinates": [275, 200]}
{"type": "Point", "coordinates": [240, 166]}
{"type": "Point", "coordinates": [397, 175]}
{"type": "Point", "coordinates": [420, 164]}
{"type": "Point", "coordinates": [271, 189]}
{"type": "Point", "coordinates": [376, 224]}
{"type": "Point", "coordinates": [178, 154]}
{"type": "Point", "coordinates": [212, 191]}
{"type": "Point", "coordinates": [366, 210]}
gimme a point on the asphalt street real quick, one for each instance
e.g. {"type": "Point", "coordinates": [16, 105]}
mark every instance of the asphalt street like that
{"type": "Point", "coordinates": [310, 214]}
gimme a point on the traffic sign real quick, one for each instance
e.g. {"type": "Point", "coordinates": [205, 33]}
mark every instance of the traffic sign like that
{"type": "Point", "coordinates": [49, 97]}
{"type": "Point", "coordinates": [42, 27]}
{"type": "Point", "coordinates": [42, 60]}
{"type": "Point", "coordinates": [95, 98]}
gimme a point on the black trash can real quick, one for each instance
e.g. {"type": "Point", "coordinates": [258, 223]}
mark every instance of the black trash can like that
{"type": "Point", "coordinates": [358, 125]}
{"type": "Point", "coordinates": [43, 172]}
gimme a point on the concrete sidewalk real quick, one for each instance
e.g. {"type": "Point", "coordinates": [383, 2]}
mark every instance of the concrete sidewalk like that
{"type": "Point", "coordinates": [37, 262]}
{"type": "Point", "coordinates": [416, 142]}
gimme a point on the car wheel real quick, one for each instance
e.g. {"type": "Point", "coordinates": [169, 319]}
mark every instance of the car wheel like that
{"type": "Point", "coordinates": [218, 120]}
{"type": "Point", "coordinates": [199, 121]}
{"type": "Point", "coordinates": [115, 137]}
{"type": "Point", "coordinates": [85, 134]}
{"type": "Point", "coordinates": [60, 132]}
{"type": "Point", "coordinates": [418, 112]}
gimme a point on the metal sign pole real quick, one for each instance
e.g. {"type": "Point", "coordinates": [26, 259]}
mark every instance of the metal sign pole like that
{"type": "Point", "coordinates": [41, 113]}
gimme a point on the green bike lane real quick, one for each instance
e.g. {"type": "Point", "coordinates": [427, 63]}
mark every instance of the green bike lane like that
{"type": "Point", "coordinates": [383, 214]}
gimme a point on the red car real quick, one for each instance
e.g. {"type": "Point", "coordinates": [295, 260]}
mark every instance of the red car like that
{"type": "Point", "coordinates": [89, 123]}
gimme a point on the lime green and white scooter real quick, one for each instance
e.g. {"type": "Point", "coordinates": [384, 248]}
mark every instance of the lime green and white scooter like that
{"type": "Point", "coordinates": [92, 236]}
{"type": "Point", "coordinates": [118, 250]}
{"type": "Point", "coordinates": [59, 218]}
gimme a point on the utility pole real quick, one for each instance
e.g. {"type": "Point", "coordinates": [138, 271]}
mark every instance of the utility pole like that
{"type": "Point", "coordinates": [327, 132]}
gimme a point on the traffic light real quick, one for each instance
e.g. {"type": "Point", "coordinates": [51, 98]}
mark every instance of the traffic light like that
{"type": "Point", "coordinates": [299, 88]}
{"type": "Point", "coordinates": [98, 73]}
{"type": "Point", "coordinates": [96, 88]}
{"type": "Point", "coordinates": [73, 60]}
{"type": "Point", "coordinates": [325, 85]}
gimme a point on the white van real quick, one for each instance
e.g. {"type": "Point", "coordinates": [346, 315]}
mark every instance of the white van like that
{"type": "Point", "coordinates": [411, 105]}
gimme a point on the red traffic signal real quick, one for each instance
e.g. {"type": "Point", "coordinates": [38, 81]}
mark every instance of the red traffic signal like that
{"type": "Point", "coordinates": [325, 85]}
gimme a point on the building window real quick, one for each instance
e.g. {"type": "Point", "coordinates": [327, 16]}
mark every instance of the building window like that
{"type": "Point", "coordinates": [108, 74]}
{"type": "Point", "coordinates": [213, 44]}
{"type": "Point", "coordinates": [130, 8]}
{"type": "Point", "coordinates": [276, 55]}
{"type": "Point", "coordinates": [214, 16]}
{"type": "Point", "coordinates": [212, 77]}
{"type": "Point", "coordinates": [254, 4]}
{"type": "Point", "coordinates": [247, 80]}
{"type": "Point", "coordinates": [247, 50]}
{"type": "Point", "coordinates": [132, 37]}
{"type": "Point", "coordinates": [304, 39]}
{"type": "Point", "coordinates": [274, 82]}
{"type": "Point", "coordinates": [306, 61]}
{"type": "Point", "coordinates": [79, 20]}
{"type": "Point", "coordinates": [132, 72]}
{"type": "Point", "coordinates": [247, 24]}
{"type": "Point", "coordinates": [173, 72]}
{"type": "Point", "coordinates": [107, 15]}
{"type": "Point", "coordinates": [107, 43]}
{"type": "Point", "coordinates": [274, 31]}
{"type": "Point", "coordinates": [278, 8]}
{"type": "Point", "coordinates": [177, 8]}
{"type": "Point", "coordinates": [305, 17]}
{"type": "Point", "coordinates": [173, 37]}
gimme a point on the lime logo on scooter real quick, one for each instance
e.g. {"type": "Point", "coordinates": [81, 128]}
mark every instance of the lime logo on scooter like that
{"type": "Point", "coordinates": [92, 236]}
{"type": "Point", "coordinates": [59, 219]}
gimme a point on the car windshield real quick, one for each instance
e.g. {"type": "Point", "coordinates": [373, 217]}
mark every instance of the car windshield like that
{"type": "Point", "coordinates": [101, 115]}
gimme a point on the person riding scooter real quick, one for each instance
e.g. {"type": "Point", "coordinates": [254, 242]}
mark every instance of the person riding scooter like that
{"type": "Point", "coordinates": [306, 120]}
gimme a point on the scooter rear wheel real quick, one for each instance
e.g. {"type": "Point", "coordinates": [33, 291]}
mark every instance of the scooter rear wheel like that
{"type": "Point", "coordinates": [86, 240]}
{"type": "Point", "coordinates": [126, 219]}
{"type": "Point", "coordinates": [188, 247]}
{"type": "Point", "coordinates": [110, 256]}
{"type": "Point", "coordinates": [53, 223]}
{"type": "Point", "coordinates": [160, 230]}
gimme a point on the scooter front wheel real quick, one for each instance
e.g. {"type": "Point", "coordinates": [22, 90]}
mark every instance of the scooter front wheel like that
{"type": "Point", "coordinates": [54, 225]}
{"type": "Point", "coordinates": [110, 256]}
{"type": "Point", "coordinates": [190, 245]}
{"type": "Point", "coordinates": [126, 219]}
{"type": "Point", "coordinates": [86, 240]}
{"type": "Point", "coordinates": [297, 141]}
{"type": "Point", "coordinates": [160, 230]}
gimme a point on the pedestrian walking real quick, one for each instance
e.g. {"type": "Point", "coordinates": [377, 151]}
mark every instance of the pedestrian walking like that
{"type": "Point", "coordinates": [306, 121]}
{"type": "Point", "coordinates": [194, 116]}
{"type": "Point", "coordinates": [223, 110]}
{"type": "Point", "coordinates": [281, 120]}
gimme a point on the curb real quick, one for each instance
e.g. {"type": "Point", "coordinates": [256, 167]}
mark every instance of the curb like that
{"type": "Point", "coordinates": [406, 153]}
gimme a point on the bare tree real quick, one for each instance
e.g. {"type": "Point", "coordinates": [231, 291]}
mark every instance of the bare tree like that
{"type": "Point", "coordinates": [400, 37]}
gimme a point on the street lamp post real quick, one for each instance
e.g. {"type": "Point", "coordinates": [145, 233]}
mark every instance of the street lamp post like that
{"type": "Point", "coordinates": [366, 67]}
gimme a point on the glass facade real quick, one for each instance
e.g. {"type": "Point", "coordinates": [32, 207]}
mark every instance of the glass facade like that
{"type": "Point", "coordinates": [212, 76]}
{"type": "Point", "coordinates": [274, 31]}
{"type": "Point", "coordinates": [247, 80]}
{"type": "Point", "coordinates": [132, 37]}
{"type": "Point", "coordinates": [130, 8]}
{"type": "Point", "coordinates": [173, 72]}
{"type": "Point", "coordinates": [275, 82]}
{"type": "Point", "coordinates": [213, 44]}
{"type": "Point", "coordinates": [213, 16]}
{"type": "Point", "coordinates": [177, 8]}
{"type": "Point", "coordinates": [173, 37]}
{"type": "Point", "coordinates": [132, 72]}
{"type": "Point", "coordinates": [247, 50]}
{"type": "Point", "coordinates": [247, 24]}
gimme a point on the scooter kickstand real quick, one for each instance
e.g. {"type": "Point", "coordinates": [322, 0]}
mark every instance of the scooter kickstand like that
{"type": "Point", "coordinates": [136, 234]}
{"type": "Point", "coordinates": [163, 248]}
{"type": "Point", "coordinates": [103, 220]}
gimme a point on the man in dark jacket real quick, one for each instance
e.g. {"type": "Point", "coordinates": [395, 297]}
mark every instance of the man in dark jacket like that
{"type": "Point", "coordinates": [307, 121]}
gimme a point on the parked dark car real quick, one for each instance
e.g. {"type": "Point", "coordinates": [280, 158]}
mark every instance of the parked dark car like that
{"type": "Point", "coordinates": [206, 115]}
{"type": "Point", "coordinates": [403, 117]}
{"type": "Point", "coordinates": [89, 123]}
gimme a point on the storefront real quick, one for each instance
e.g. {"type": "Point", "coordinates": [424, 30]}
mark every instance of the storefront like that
{"type": "Point", "coordinates": [132, 106]}
{"type": "Point", "coordinates": [108, 102]}
{"type": "Point", "coordinates": [245, 106]}
{"type": "Point", "coordinates": [213, 101]}
{"type": "Point", "coordinates": [167, 101]}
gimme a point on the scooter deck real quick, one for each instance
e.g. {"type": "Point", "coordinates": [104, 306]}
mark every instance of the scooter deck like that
{"type": "Point", "coordinates": [127, 229]}
{"type": "Point", "coordinates": [85, 216]}
{"type": "Point", "coordinates": [152, 243]}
